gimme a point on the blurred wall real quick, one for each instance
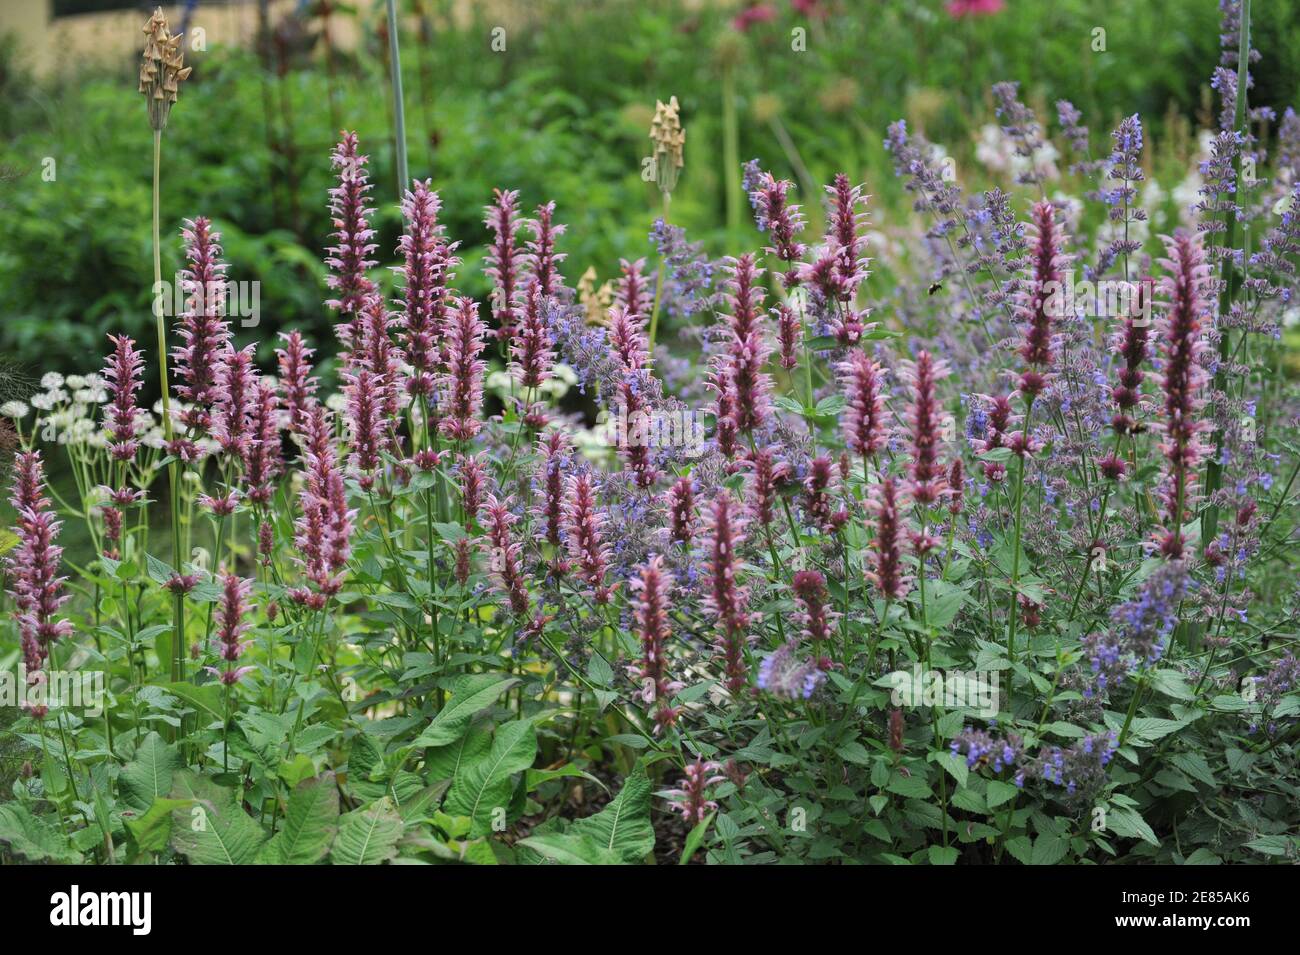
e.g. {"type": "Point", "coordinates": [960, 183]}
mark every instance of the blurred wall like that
{"type": "Point", "coordinates": [46, 43]}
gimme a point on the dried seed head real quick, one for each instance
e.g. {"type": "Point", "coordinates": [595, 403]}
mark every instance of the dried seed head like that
{"type": "Point", "coordinates": [669, 138]}
{"type": "Point", "coordinates": [162, 69]}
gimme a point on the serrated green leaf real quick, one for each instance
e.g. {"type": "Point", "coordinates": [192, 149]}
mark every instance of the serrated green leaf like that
{"type": "Point", "coordinates": [469, 695]}
{"type": "Point", "coordinates": [623, 827]}
{"type": "Point", "coordinates": [310, 823]}
{"type": "Point", "coordinates": [148, 777]}
{"type": "Point", "coordinates": [212, 829]}
{"type": "Point", "coordinates": [483, 787]}
{"type": "Point", "coordinates": [367, 836]}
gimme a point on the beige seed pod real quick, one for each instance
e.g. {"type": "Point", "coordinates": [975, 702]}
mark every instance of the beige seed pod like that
{"type": "Point", "coordinates": [162, 69]}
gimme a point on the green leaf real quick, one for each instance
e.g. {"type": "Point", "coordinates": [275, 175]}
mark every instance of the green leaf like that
{"type": "Point", "coordinates": [1127, 822]}
{"type": "Point", "coordinates": [1048, 849]}
{"type": "Point", "coordinates": [943, 855]}
{"type": "Point", "coordinates": [1000, 792]}
{"type": "Point", "coordinates": [484, 787]}
{"type": "Point", "coordinates": [310, 823]}
{"type": "Point", "coordinates": [32, 838]}
{"type": "Point", "coordinates": [212, 828]}
{"type": "Point", "coordinates": [469, 695]}
{"type": "Point", "coordinates": [623, 827]}
{"type": "Point", "coordinates": [695, 838]}
{"type": "Point", "coordinates": [207, 698]}
{"type": "Point", "coordinates": [854, 752]}
{"type": "Point", "coordinates": [153, 830]}
{"type": "Point", "coordinates": [148, 777]}
{"type": "Point", "coordinates": [570, 849]}
{"type": "Point", "coordinates": [914, 787]}
{"type": "Point", "coordinates": [367, 836]}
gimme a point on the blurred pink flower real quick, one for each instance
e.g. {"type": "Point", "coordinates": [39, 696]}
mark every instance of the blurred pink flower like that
{"type": "Point", "coordinates": [973, 8]}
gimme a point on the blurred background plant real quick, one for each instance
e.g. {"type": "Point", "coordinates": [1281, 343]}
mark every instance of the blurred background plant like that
{"type": "Point", "coordinates": [551, 97]}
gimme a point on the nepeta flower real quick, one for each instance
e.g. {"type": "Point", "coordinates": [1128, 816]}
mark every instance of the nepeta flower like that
{"type": "Point", "coordinates": [981, 748]}
{"type": "Point", "coordinates": [785, 673]}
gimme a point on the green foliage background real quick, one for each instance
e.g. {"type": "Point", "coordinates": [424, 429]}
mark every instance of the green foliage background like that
{"type": "Point", "coordinates": [561, 114]}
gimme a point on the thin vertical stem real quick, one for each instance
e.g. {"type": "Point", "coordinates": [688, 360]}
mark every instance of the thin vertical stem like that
{"type": "Point", "coordinates": [399, 114]}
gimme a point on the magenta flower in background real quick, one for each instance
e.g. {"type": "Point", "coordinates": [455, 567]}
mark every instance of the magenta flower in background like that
{"type": "Point", "coordinates": [584, 524]}
{"type": "Point", "coordinates": [296, 378]}
{"type": "Point", "coordinates": [232, 624]}
{"type": "Point", "coordinates": [633, 292]}
{"type": "Point", "coordinates": [505, 263]}
{"type": "Point", "coordinates": [652, 592]}
{"type": "Point", "coordinates": [1038, 302]}
{"type": "Point", "coordinates": [236, 391]}
{"type": "Point", "coordinates": [863, 424]}
{"type": "Point", "coordinates": [462, 380]}
{"type": "Point", "coordinates": [725, 598]}
{"type": "Point", "coordinates": [263, 460]}
{"type": "Point", "coordinates": [752, 15]}
{"type": "Point", "coordinates": [427, 262]}
{"type": "Point", "coordinates": [681, 510]}
{"type": "Point", "coordinates": [691, 798]}
{"type": "Point", "coordinates": [923, 419]}
{"type": "Point", "coordinates": [348, 259]}
{"type": "Point", "coordinates": [505, 556]}
{"type": "Point", "coordinates": [1181, 346]}
{"type": "Point", "coordinates": [204, 333]}
{"type": "Point", "coordinates": [365, 425]}
{"type": "Point", "coordinates": [973, 8]}
{"type": "Point", "coordinates": [885, 555]}
{"type": "Point", "coordinates": [122, 374]}
{"type": "Point", "coordinates": [554, 448]}
{"type": "Point", "coordinates": [542, 255]}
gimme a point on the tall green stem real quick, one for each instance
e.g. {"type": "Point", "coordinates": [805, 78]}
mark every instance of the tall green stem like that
{"type": "Point", "coordinates": [173, 467]}
{"type": "Point", "coordinates": [399, 113]}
